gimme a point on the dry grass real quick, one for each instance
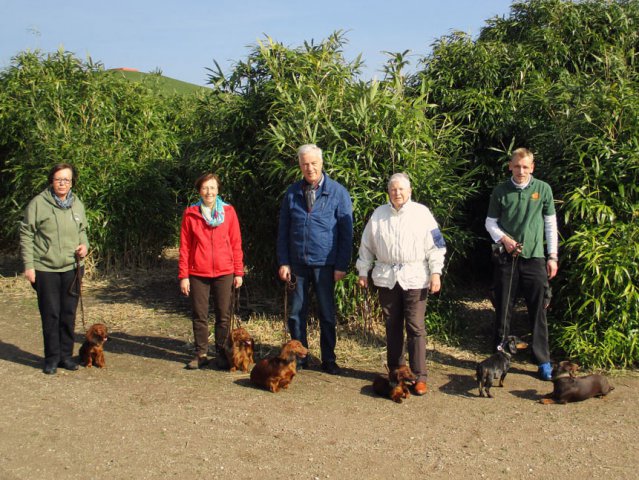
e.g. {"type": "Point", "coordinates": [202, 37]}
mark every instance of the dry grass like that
{"type": "Point", "coordinates": [147, 302]}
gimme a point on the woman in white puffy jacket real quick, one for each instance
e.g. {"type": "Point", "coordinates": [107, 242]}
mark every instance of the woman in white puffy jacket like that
{"type": "Point", "coordinates": [404, 247]}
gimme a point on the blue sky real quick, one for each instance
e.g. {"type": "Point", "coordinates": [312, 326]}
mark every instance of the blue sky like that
{"type": "Point", "coordinates": [182, 38]}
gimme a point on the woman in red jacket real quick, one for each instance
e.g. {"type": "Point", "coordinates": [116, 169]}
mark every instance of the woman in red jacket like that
{"type": "Point", "coordinates": [210, 259]}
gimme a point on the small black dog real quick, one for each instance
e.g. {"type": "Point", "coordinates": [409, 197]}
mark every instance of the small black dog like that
{"type": "Point", "coordinates": [497, 365]}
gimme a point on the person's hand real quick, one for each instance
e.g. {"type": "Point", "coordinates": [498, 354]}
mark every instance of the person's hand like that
{"type": "Point", "coordinates": [238, 281]}
{"type": "Point", "coordinates": [511, 245]}
{"type": "Point", "coordinates": [285, 273]}
{"type": "Point", "coordinates": [435, 283]}
{"type": "Point", "coordinates": [362, 282]}
{"type": "Point", "coordinates": [185, 286]}
{"type": "Point", "coordinates": [81, 251]}
{"type": "Point", "coordinates": [551, 268]}
{"type": "Point", "coordinates": [338, 275]}
{"type": "Point", "coordinates": [29, 274]}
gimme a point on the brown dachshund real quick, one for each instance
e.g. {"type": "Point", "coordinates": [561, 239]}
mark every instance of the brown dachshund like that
{"type": "Point", "coordinates": [395, 384]}
{"type": "Point", "coordinates": [569, 388]}
{"type": "Point", "coordinates": [239, 348]}
{"type": "Point", "coordinates": [277, 372]}
{"type": "Point", "coordinates": [92, 350]}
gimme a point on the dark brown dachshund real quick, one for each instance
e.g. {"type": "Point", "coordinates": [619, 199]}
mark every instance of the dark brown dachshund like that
{"type": "Point", "coordinates": [239, 348]}
{"type": "Point", "coordinates": [277, 372]}
{"type": "Point", "coordinates": [569, 388]}
{"type": "Point", "coordinates": [395, 384]}
{"type": "Point", "coordinates": [497, 365]}
{"type": "Point", "coordinates": [92, 350]}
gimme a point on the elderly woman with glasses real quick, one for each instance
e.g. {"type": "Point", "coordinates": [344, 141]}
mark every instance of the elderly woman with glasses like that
{"type": "Point", "coordinates": [211, 258]}
{"type": "Point", "coordinates": [53, 242]}
{"type": "Point", "coordinates": [404, 247]}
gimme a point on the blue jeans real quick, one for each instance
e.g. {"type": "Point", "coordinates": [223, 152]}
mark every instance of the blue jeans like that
{"type": "Point", "coordinates": [324, 285]}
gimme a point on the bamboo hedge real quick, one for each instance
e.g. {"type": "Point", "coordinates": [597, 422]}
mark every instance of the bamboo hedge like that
{"type": "Point", "coordinates": [561, 78]}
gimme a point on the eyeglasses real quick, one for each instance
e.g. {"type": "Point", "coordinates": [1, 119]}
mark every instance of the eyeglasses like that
{"type": "Point", "coordinates": [62, 181]}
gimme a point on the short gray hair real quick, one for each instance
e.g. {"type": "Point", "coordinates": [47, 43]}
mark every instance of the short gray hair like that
{"type": "Point", "coordinates": [399, 177]}
{"type": "Point", "coordinates": [309, 148]}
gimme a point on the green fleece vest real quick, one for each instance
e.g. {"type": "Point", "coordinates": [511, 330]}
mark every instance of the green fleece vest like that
{"type": "Point", "coordinates": [520, 213]}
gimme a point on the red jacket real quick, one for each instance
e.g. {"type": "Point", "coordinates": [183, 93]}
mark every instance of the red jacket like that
{"type": "Point", "coordinates": [210, 251]}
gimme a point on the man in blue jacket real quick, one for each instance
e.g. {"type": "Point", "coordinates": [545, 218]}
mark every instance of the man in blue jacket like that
{"type": "Point", "coordinates": [314, 244]}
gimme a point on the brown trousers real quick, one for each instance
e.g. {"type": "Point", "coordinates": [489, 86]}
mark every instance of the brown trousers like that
{"type": "Point", "coordinates": [405, 307]}
{"type": "Point", "coordinates": [201, 288]}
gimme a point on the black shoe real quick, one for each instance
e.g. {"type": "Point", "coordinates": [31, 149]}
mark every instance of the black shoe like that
{"type": "Point", "coordinates": [68, 364]}
{"type": "Point", "coordinates": [222, 363]}
{"type": "Point", "coordinates": [50, 369]}
{"type": "Point", "coordinates": [331, 368]}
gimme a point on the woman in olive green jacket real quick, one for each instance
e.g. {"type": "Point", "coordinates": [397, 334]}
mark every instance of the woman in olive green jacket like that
{"type": "Point", "coordinates": [53, 242]}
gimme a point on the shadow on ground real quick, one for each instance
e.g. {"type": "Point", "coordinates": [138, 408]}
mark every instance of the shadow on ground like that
{"type": "Point", "coordinates": [13, 353]}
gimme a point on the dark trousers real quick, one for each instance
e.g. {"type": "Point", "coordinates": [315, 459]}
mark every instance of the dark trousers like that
{"type": "Point", "coordinates": [529, 277]}
{"type": "Point", "coordinates": [57, 312]}
{"type": "Point", "coordinates": [222, 289]}
{"type": "Point", "coordinates": [405, 309]}
{"type": "Point", "coordinates": [323, 282]}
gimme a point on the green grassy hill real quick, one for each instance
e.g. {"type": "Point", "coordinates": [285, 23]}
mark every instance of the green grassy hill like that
{"type": "Point", "coordinates": [165, 84]}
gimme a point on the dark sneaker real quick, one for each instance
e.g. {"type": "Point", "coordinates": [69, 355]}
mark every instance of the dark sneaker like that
{"type": "Point", "coordinates": [50, 369]}
{"type": "Point", "coordinates": [197, 362]}
{"type": "Point", "coordinates": [331, 368]}
{"type": "Point", "coordinates": [545, 371]}
{"type": "Point", "coordinates": [68, 364]}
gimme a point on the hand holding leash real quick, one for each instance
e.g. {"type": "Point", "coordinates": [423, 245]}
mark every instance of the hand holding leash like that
{"type": "Point", "coordinates": [511, 246]}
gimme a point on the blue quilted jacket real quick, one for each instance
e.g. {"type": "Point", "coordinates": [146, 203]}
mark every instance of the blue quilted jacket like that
{"type": "Point", "coordinates": [323, 236]}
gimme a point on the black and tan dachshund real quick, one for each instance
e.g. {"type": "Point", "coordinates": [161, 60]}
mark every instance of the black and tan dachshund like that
{"type": "Point", "coordinates": [497, 365]}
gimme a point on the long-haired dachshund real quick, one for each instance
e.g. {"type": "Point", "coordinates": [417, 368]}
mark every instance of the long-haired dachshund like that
{"type": "Point", "coordinates": [277, 372]}
{"type": "Point", "coordinates": [497, 365]}
{"type": "Point", "coordinates": [395, 385]}
{"type": "Point", "coordinates": [239, 348]}
{"type": "Point", "coordinates": [92, 350]}
{"type": "Point", "coordinates": [567, 387]}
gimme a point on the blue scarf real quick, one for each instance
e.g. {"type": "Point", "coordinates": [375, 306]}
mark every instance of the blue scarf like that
{"type": "Point", "coordinates": [63, 204]}
{"type": "Point", "coordinates": [213, 217]}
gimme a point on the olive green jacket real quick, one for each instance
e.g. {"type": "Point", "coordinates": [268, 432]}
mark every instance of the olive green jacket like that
{"type": "Point", "coordinates": [49, 234]}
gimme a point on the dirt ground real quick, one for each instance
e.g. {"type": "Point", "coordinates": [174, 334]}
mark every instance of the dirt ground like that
{"type": "Point", "coordinates": [146, 417]}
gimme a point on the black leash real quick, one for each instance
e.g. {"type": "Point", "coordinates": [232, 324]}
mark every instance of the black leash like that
{"type": "Point", "coordinates": [290, 285]}
{"type": "Point", "coordinates": [515, 257]}
{"type": "Point", "coordinates": [75, 289]}
{"type": "Point", "coordinates": [235, 309]}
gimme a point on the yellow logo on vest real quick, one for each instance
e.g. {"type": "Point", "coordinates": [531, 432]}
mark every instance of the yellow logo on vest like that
{"type": "Point", "coordinates": [535, 196]}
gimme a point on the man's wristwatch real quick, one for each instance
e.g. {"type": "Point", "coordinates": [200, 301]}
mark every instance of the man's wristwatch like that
{"type": "Point", "coordinates": [553, 257]}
